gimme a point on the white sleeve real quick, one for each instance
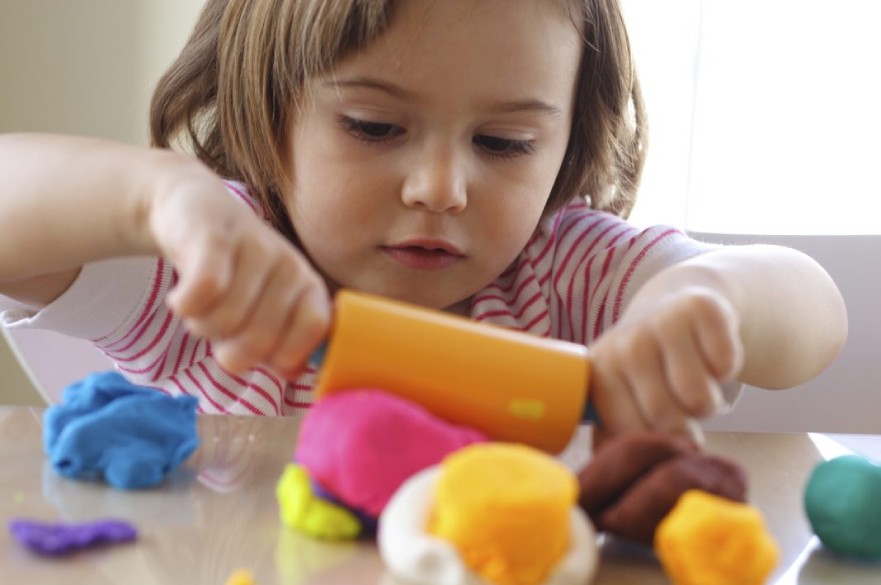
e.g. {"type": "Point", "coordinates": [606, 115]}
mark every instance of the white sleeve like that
{"type": "Point", "coordinates": [106, 296]}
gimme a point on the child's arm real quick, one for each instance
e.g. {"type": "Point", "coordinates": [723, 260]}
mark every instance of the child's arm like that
{"type": "Point", "coordinates": [765, 315]}
{"type": "Point", "coordinates": [67, 201]}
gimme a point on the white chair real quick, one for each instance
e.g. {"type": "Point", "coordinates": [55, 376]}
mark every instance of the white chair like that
{"type": "Point", "coordinates": [52, 361]}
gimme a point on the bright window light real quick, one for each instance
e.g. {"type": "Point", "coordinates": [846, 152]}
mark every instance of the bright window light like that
{"type": "Point", "coordinates": [765, 115]}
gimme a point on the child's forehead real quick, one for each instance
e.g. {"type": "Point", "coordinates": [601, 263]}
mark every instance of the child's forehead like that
{"type": "Point", "coordinates": [523, 38]}
{"type": "Point", "coordinates": [423, 17]}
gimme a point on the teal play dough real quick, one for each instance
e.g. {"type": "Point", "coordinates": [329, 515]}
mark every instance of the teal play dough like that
{"type": "Point", "coordinates": [843, 505]}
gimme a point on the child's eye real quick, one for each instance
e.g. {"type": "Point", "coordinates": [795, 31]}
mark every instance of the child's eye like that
{"type": "Point", "coordinates": [503, 147]}
{"type": "Point", "coordinates": [370, 131]}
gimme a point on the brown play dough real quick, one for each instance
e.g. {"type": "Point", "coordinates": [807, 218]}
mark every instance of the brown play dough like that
{"type": "Point", "coordinates": [634, 480]}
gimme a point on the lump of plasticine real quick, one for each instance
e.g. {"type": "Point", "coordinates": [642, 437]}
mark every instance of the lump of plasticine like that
{"type": "Point", "coordinates": [56, 539]}
{"type": "Point", "coordinates": [842, 501]}
{"type": "Point", "coordinates": [633, 481]}
{"type": "Point", "coordinates": [708, 539]}
{"type": "Point", "coordinates": [361, 445]}
{"type": "Point", "coordinates": [301, 509]}
{"type": "Point", "coordinates": [493, 513]}
{"type": "Point", "coordinates": [109, 429]}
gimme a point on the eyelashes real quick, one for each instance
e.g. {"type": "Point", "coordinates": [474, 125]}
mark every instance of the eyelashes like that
{"type": "Point", "coordinates": [503, 147]}
{"type": "Point", "coordinates": [370, 131]}
{"type": "Point", "coordinates": [380, 132]}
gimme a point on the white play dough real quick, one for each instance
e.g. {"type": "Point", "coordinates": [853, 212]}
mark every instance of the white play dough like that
{"type": "Point", "coordinates": [417, 558]}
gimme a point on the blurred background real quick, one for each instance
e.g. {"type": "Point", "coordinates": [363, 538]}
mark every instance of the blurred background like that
{"type": "Point", "coordinates": [764, 128]}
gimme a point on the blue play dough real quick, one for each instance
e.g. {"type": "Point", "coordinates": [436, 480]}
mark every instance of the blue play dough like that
{"type": "Point", "coordinates": [843, 504]}
{"type": "Point", "coordinates": [129, 436]}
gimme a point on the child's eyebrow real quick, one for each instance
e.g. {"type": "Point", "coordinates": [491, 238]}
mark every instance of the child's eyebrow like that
{"type": "Point", "coordinates": [371, 83]}
{"type": "Point", "coordinates": [526, 105]}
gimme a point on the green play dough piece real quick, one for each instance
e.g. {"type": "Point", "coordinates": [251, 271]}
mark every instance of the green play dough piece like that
{"type": "Point", "coordinates": [843, 505]}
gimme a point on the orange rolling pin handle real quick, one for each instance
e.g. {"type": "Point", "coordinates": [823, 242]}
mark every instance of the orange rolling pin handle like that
{"type": "Point", "coordinates": [512, 386]}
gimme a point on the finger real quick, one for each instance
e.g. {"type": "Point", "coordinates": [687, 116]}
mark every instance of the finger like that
{"type": "Point", "coordinates": [599, 437]}
{"type": "Point", "coordinates": [718, 338]}
{"type": "Point", "coordinates": [256, 267]}
{"type": "Point", "coordinates": [304, 331]}
{"type": "Point", "coordinates": [256, 338]}
{"type": "Point", "coordinates": [290, 318]}
{"type": "Point", "coordinates": [694, 432]}
{"type": "Point", "coordinates": [620, 462]}
{"type": "Point", "coordinates": [611, 394]}
{"type": "Point", "coordinates": [651, 392]}
{"type": "Point", "coordinates": [693, 385]}
{"type": "Point", "coordinates": [203, 278]}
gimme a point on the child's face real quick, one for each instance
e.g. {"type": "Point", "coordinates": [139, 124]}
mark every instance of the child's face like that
{"type": "Point", "coordinates": [423, 164]}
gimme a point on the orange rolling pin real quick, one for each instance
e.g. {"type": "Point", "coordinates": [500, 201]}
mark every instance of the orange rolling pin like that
{"type": "Point", "coordinates": [510, 385]}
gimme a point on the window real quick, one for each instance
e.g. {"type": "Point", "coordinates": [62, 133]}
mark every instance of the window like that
{"type": "Point", "coordinates": [765, 115]}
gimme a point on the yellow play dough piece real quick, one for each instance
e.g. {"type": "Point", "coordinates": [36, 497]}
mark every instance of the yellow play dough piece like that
{"type": "Point", "coordinates": [301, 510]}
{"type": "Point", "coordinates": [241, 577]}
{"type": "Point", "coordinates": [709, 540]}
{"type": "Point", "coordinates": [506, 509]}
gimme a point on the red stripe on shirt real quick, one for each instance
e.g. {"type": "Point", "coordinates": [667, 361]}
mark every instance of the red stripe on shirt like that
{"type": "Point", "coordinates": [231, 394]}
{"type": "Point", "coordinates": [148, 308]}
{"type": "Point", "coordinates": [256, 388]}
{"type": "Point", "coordinates": [245, 198]}
{"type": "Point", "coordinates": [616, 308]}
{"type": "Point", "coordinates": [152, 343]}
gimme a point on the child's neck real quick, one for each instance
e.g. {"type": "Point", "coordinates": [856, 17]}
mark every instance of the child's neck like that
{"type": "Point", "coordinates": [463, 308]}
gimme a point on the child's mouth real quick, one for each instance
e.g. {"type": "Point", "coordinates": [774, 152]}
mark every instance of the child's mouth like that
{"type": "Point", "coordinates": [423, 258]}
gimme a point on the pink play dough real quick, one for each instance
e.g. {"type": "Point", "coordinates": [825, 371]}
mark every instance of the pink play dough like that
{"type": "Point", "coordinates": [361, 445]}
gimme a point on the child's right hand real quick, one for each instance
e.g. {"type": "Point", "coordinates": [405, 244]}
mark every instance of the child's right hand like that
{"type": "Point", "coordinates": [240, 282]}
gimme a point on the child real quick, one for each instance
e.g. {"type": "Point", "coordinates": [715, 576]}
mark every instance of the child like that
{"type": "Point", "coordinates": [476, 157]}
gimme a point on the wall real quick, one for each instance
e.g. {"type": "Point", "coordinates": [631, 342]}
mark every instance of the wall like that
{"type": "Point", "coordinates": [15, 386]}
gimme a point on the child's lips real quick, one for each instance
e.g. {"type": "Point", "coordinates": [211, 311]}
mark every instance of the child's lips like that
{"type": "Point", "coordinates": [424, 255]}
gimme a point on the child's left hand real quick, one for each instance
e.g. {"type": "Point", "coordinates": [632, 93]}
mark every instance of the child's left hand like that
{"type": "Point", "coordinates": [664, 362]}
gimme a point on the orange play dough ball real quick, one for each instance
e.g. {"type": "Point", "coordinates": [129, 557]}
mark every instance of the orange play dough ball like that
{"type": "Point", "coordinates": [709, 540]}
{"type": "Point", "coordinates": [506, 509]}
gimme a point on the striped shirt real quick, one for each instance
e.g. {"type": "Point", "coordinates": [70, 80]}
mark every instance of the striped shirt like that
{"type": "Point", "coordinates": [572, 281]}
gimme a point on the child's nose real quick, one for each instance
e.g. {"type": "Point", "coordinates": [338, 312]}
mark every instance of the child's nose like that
{"type": "Point", "coordinates": [437, 181]}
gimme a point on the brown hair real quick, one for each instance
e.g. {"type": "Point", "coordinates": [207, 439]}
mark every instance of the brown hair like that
{"type": "Point", "coordinates": [230, 94]}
